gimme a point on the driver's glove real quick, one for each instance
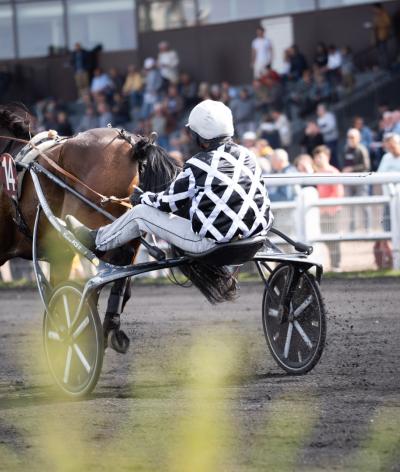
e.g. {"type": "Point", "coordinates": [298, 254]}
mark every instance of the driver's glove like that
{"type": "Point", "coordinates": [135, 196]}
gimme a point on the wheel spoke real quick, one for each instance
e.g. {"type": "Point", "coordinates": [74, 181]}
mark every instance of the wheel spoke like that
{"type": "Point", "coordinates": [67, 365]}
{"type": "Point", "coordinates": [288, 340]}
{"type": "Point", "coordinates": [299, 310]}
{"type": "Point", "coordinates": [82, 358]}
{"type": "Point", "coordinates": [80, 328]}
{"type": "Point", "coordinates": [66, 309]}
{"type": "Point", "coordinates": [302, 333]}
{"type": "Point", "coordinates": [54, 336]}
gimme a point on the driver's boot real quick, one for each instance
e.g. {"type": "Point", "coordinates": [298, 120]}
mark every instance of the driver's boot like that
{"type": "Point", "coordinates": [83, 234]}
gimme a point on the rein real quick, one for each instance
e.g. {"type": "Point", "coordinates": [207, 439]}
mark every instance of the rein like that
{"type": "Point", "coordinates": [103, 199]}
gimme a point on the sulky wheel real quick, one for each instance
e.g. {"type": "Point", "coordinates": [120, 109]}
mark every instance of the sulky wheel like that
{"type": "Point", "coordinates": [296, 341]}
{"type": "Point", "coordinates": [73, 344]}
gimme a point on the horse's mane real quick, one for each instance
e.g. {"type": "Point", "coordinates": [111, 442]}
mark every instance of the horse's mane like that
{"type": "Point", "coordinates": [16, 119]}
{"type": "Point", "coordinates": [157, 170]}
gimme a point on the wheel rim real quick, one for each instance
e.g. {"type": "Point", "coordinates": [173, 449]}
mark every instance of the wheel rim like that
{"type": "Point", "coordinates": [71, 341]}
{"type": "Point", "coordinates": [295, 342]}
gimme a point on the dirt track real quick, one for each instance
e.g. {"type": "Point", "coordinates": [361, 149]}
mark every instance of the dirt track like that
{"type": "Point", "coordinates": [149, 411]}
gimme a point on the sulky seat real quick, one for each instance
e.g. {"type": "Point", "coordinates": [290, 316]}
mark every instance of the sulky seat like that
{"type": "Point", "coordinates": [232, 253]}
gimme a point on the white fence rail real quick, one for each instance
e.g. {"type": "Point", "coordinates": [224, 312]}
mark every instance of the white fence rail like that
{"type": "Point", "coordinates": [302, 217]}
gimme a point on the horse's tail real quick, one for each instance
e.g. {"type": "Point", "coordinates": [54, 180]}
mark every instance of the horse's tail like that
{"type": "Point", "coordinates": [157, 169]}
{"type": "Point", "coordinates": [217, 284]}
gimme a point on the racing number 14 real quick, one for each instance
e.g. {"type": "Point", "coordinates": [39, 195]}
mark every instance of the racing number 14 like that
{"type": "Point", "coordinates": [8, 174]}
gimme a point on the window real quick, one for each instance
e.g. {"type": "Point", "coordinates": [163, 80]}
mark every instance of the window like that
{"type": "Point", "coordinates": [105, 22]}
{"type": "Point", "coordinates": [342, 3]}
{"type": "Point", "coordinates": [40, 26]}
{"type": "Point", "coordinates": [6, 32]}
{"type": "Point", "coordinates": [166, 14]}
{"type": "Point", "coordinates": [219, 11]}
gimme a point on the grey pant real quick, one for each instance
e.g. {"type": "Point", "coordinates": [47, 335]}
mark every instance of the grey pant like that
{"type": "Point", "coordinates": [146, 219]}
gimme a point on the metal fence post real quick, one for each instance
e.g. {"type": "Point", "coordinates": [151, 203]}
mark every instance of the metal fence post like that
{"type": "Point", "coordinates": [300, 214]}
{"type": "Point", "coordinates": [395, 223]}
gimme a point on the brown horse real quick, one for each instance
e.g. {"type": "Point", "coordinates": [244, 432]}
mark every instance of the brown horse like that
{"type": "Point", "coordinates": [107, 162]}
{"type": "Point", "coordinates": [104, 161]}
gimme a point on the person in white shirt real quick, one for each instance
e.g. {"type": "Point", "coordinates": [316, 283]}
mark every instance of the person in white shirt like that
{"type": "Point", "coordinates": [391, 160]}
{"type": "Point", "coordinates": [282, 124]}
{"type": "Point", "coordinates": [261, 53]}
{"type": "Point", "coordinates": [334, 65]}
{"type": "Point", "coordinates": [168, 62]}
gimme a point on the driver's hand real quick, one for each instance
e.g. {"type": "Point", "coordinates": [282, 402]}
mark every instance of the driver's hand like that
{"type": "Point", "coordinates": [135, 196]}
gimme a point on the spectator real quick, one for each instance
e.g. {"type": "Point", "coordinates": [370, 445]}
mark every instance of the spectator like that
{"type": "Point", "coordinates": [391, 160]}
{"type": "Point", "coordinates": [153, 84]}
{"type": "Point", "coordinates": [133, 87]}
{"type": "Point", "coordinates": [334, 65]}
{"type": "Point", "coordinates": [320, 90]}
{"type": "Point", "coordinates": [105, 116]}
{"type": "Point", "coordinates": [89, 120]}
{"type": "Point", "coordinates": [158, 123]}
{"type": "Point", "coordinates": [304, 164]}
{"type": "Point", "coordinates": [117, 79]}
{"type": "Point", "coordinates": [243, 110]}
{"type": "Point", "coordinates": [264, 152]}
{"type": "Point", "coordinates": [101, 83]}
{"type": "Point", "coordinates": [261, 96]}
{"type": "Point", "coordinates": [204, 91]}
{"type": "Point", "coordinates": [327, 123]}
{"type": "Point", "coordinates": [329, 216]}
{"type": "Point", "coordinates": [63, 126]}
{"type": "Point", "coordinates": [188, 91]}
{"type": "Point", "coordinates": [321, 57]}
{"type": "Point", "coordinates": [312, 137]}
{"type": "Point", "coordinates": [280, 165]}
{"type": "Point", "coordinates": [300, 96]}
{"type": "Point", "coordinates": [356, 159]}
{"type": "Point", "coordinates": [168, 62]}
{"type": "Point", "coordinates": [347, 69]}
{"type": "Point", "coordinates": [366, 133]}
{"type": "Point", "coordinates": [274, 93]}
{"type": "Point", "coordinates": [120, 110]}
{"type": "Point", "coordinates": [49, 120]}
{"type": "Point", "coordinates": [298, 63]}
{"type": "Point", "coordinates": [173, 105]}
{"type": "Point", "coordinates": [249, 139]}
{"type": "Point", "coordinates": [81, 64]}
{"type": "Point", "coordinates": [267, 130]}
{"type": "Point", "coordinates": [261, 53]}
{"type": "Point", "coordinates": [382, 27]}
{"type": "Point", "coordinates": [282, 125]}
{"type": "Point", "coordinates": [390, 163]}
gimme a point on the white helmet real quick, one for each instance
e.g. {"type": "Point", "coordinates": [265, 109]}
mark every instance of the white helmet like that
{"type": "Point", "coordinates": [210, 119]}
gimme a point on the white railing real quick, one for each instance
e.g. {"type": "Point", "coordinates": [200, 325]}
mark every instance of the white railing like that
{"type": "Point", "coordinates": [303, 221]}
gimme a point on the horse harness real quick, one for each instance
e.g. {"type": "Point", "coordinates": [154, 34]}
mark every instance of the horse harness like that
{"type": "Point", "coordinates": [35, 148]}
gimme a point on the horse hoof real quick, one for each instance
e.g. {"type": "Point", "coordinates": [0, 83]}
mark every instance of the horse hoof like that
{"type": "Point", "coordinates": [118, 341]}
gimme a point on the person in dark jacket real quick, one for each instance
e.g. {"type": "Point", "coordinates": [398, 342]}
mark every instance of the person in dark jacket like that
{"type": "Point", "coordinates": [80, 60]}
{"type": "Point", "coordinates": [220, 190]}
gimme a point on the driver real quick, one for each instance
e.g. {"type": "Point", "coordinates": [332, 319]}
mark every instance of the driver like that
{"type": "Point", "coordinates": [219, 192]}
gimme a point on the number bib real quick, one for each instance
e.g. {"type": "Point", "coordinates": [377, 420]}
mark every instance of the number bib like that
{"type": "Point", "coordinates": [8, 176]}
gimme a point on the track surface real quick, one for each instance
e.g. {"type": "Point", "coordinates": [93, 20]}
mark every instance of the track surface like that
{"type": "Point", "coordinates": [147, 403]}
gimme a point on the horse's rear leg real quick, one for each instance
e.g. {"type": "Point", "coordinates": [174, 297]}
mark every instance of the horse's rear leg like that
{"type": "Point", "coordinates": [119, 295]}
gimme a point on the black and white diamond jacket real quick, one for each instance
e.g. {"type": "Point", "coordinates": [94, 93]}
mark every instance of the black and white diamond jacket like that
{"type": "Point", "coordinates": [221, 192]}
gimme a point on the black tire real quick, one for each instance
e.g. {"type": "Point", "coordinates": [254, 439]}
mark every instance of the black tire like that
{"type": "Point", "coordinates": [74, 358]}
{"type": "Point", "coordinates": [296, 345]}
